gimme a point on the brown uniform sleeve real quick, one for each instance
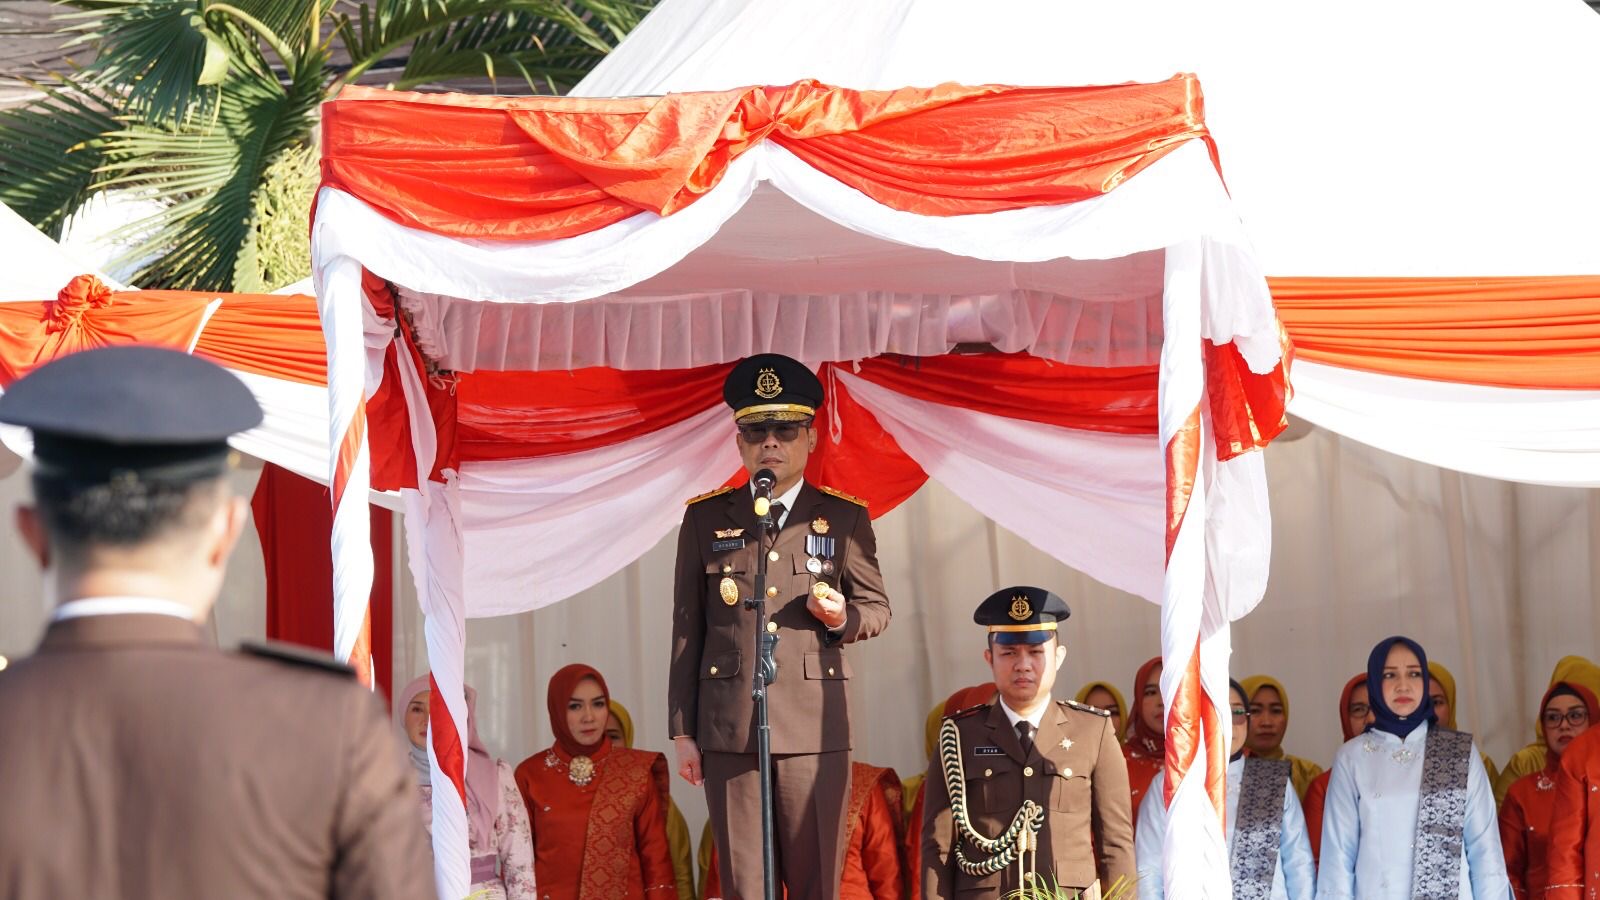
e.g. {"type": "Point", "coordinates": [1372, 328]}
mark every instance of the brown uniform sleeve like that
{"type": "Point", "coordinates": [688, 632]}
{"type": "Point", "coordinates": [380, 847]}
{"type": "Point", "coordinates": [867, 604]}
{"type": "Point", "coordinates": [938, 875]}
{"type": "Point", "coordinates": [1113, 811]}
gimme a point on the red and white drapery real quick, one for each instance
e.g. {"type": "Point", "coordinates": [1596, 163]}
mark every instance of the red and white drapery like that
{"type": "Point", "coordinates": [632, 249]}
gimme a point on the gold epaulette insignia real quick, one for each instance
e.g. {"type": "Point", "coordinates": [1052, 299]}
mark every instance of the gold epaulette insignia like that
{"type": "Point", "coordinates": [707, 496]}
{"type": "Point", "coordinates": [963, 713]}
{"type": "Point", "coordinates": [841, 495]}
{"type": "Point", "coordinates": [1084, 707]}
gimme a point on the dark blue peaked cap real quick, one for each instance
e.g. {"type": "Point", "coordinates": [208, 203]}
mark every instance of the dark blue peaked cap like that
{"type": "Point", "coordinates": [130, 411]}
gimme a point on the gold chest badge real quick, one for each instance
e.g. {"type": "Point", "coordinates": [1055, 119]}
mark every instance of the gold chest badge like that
{"type": "Point", "coordinates": [728, 591]}
{"type": "Point", "coordinates": [819, 525]}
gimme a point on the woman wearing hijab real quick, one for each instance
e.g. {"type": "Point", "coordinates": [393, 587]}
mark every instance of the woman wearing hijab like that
{"type": "Point", "coordinates": [1442, 693]}
{"type": "Point", "coordinates": [1264, 824]}
{"type": "Point", "coordinates": [1146, 748]}
{"type": "Point", "coordinates": [497, 823]}
{"type": "Point", "coordinates": [1409, 811]}
{"type": "Point", "coordinates": [1526, 815]}
{"type": "Point", "coordinates": [1574, 670]}
{"type": "Point", "coordinates": [599, 827]}
{"type": "Point", "coordinates": [1355, 714]}
{"type": "Point", "coordinates": [619, 728]}
{"type": "Point", "coordinates": [1101, 695]}
{"type": "Point", "coordinates": [1269, 723]}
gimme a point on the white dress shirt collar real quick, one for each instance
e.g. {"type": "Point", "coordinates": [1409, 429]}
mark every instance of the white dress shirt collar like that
{"type": "Point", "coordinates": [118, 606]}
{"type": "Point", "coordinates": [787, 499]}
{"type": "Point", "coordinates": [1038, 715]}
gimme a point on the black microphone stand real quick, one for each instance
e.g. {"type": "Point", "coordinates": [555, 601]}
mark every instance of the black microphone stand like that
{"type": "Point", "coordinates": [764, 673]}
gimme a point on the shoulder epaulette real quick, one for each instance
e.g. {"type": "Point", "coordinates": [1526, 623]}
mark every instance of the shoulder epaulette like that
{"type": "Point", "coordinates": [1084, 707]}
{"type": "Point", "coordinates": [963, 713]}
{"type": "Point", "coordinates": [841, 495]}
{"type": "Point", "coordinates": [294, 654]}
{"type": "Point", "coordinates": [707, 496]}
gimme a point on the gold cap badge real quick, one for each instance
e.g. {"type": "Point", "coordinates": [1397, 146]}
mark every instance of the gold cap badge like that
{"type": "Point", "coordinates": [767, 384]}
{"type": "Point", "coordinates": [1020, 608]}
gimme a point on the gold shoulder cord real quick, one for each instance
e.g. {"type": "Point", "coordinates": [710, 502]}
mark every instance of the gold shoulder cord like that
{"type": "Point", "coordinates": [1019, 843]}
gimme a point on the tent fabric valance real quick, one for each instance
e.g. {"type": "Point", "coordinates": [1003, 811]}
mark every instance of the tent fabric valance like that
{"type": "Point", "coordinates": [550, 168]}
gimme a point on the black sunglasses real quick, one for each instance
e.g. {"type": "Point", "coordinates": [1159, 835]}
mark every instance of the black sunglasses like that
{"type": "Point", "coordinates": [783, 431]}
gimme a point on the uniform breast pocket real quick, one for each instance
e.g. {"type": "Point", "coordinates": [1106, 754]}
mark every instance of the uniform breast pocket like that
{"type": "Point", "coordinates": [992, 792]}
{"type": "Point", "coordinates": [826, 665]}
{"type": "Point", "coordinates": [1069, 790]}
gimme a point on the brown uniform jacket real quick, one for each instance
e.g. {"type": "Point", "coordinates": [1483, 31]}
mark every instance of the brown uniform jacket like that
{"type": "Point", "coordinates": [137, 761]}
{"type": "Point", "coordinates": [1076, 772]}
{"type": "Point", "coordinates": [713, 643]}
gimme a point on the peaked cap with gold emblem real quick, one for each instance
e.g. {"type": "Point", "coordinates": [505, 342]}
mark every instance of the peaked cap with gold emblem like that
{"type": "Point", "coordinates": [1022, 615]}
{"type": "Point", "coordinates": [771, 387]}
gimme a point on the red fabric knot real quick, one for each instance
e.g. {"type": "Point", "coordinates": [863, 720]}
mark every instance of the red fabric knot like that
{"type": "Point", "coordinates": [83, 293]}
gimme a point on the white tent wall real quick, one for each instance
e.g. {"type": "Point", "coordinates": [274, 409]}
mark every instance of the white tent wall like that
{"type": "Point", "coordinates": [1496, 580]}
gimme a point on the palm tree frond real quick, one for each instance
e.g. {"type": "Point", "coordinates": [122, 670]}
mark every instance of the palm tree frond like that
{"type": "Point", "coordinates": [207, 177]}
{"type": "Point", "coordinates": [49, 151]}
{"type": "Point", "coordinates": [159, 53]}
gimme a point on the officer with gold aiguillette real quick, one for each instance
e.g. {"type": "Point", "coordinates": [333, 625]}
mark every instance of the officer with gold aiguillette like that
{"type": "Point", "coordinates": [1024, 791]}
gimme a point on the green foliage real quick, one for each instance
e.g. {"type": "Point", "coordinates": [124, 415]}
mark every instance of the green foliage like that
{"type": "Point", "coordinates": [1049, 889]}
{"type": "Point", "coordinates": [49, 151]}
{"type": "Point", "coordinates": [276, 252]}
{"type": "Point", "coordinates": [209, 106]}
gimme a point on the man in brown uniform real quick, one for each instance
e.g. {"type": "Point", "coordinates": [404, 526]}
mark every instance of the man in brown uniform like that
{"type": "Point", "coordinates": [823, 538]}
{"type": "Point", "coordinates": [136, 760]}
{"type": "Point", "coordinates": [1063, 757]}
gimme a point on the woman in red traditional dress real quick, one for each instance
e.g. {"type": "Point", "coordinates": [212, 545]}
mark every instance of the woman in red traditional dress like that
{"type": "Point", "coordinates": [599, 827]}
{"type": "Point", "coordinates": [1529, 806]}
{"type": "Point", "coordinates": [1146, 749]}
{"type": "Point", "coordinates": [1355, 714]}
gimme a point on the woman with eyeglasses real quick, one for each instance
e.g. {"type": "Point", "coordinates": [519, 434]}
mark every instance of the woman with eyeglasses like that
{"type": "Point", "coordinates": [1525, 818]}
{"type": "Point", "coordinates": [1410, 812]}
{"type": "Point", "coordinates": [1355, 714]}
{"type": "Point", "coordinates": [1266, 832]}
{"type": "Point", "coordinates": [1535, 757]}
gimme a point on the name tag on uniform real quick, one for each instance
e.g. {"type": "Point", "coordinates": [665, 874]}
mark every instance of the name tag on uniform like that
{"type": "Point", "coordinates": [731, 544]}
{"type": "Point", "coordinates": [987, 751]}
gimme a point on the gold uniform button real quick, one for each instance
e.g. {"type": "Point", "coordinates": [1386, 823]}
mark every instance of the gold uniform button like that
{"type": "Point", "coordinates": [1066, 773]}
{"type": "Point", "coordinates": [713, 670]}
{"type": "Point", "coordinates": [830, 671]}
{"type": "Point", "coordinates": [773, 555]}
{"type": "Point", "coordinates": [1028, 771]}
{"type": "Point", "coordinates": [772, 592]}
{"type": "Point", "coordinates": [772, 627]}
{"type": "Point", "coordinates": [727, 570]}
{"type": "Point", "coordinates": [987, 772]}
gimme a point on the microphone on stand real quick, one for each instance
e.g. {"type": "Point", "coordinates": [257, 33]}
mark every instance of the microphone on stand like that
{"type": "Point", "coordinates": [764, 481]}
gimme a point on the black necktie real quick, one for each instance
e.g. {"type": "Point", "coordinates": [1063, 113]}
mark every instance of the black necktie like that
{"type": "Point", "coordinates": [1025, 736]}
{"type": "Point", "coordinates": [777, 517]}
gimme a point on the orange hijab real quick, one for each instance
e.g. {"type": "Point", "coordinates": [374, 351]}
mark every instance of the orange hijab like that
{"type": "Point", "coordinates": [1344, 704]}
{"type": "Point", "coordinates": [562, 684]}
{"type": "Point", "coordinates": [1154, 743]}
